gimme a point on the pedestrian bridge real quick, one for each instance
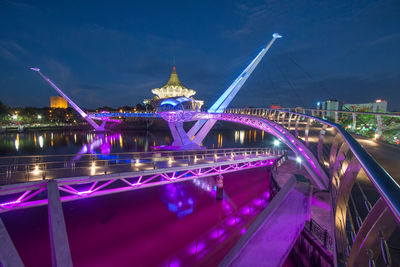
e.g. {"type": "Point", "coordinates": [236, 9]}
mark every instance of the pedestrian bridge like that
{"type": "Point", "coordinates": [365, 199]}
{"type": "Point", "coordinates": [89, 175]}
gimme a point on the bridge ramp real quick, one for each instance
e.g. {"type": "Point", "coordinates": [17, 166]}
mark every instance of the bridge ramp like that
{"type": "Point", "coordinates": [269, 240]}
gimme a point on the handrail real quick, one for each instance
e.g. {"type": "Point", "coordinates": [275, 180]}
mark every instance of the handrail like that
{"type": "Point", "coordinates": [16, 172]}
{"type": "Point", "coordinates": [137, 153]}
{"type": "Point", "coordinates": [341, 111]}
{"type": "Point", "coordinates": [382, 181]}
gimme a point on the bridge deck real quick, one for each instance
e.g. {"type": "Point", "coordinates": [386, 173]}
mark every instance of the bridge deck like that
{"type": "Point", "coordinates": [271, 237]}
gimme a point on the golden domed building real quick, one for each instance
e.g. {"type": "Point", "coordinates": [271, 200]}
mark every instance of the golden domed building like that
{"type": "Point", "coordinates": [173, 88]}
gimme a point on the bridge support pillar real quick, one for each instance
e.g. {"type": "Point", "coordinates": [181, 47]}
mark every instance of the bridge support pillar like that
{"type": "Point", "coordinates": [60, 253]}
{"type": "Point", "coordinates": [220, 187]}
{"type": "Point", "coordinates": [8, 254]}
{"type": "Point", "coordinates": [379, 122]}
{"type": "Point", "coordinates": [354, 121]}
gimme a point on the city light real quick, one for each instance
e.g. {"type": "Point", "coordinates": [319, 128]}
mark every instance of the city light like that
{"type": "Point", "coordinates": [276, 142]}
{"type": "Point", "coordinates": [93, 168]}
{"type": "Point", "coordinates": [39, 116]}
{"type": "Point", "coordinates": [298, 159]}
{"type": "Point", "coordinates": [14, 117]}
{"type": "Point", "coordinates": [36, 170]}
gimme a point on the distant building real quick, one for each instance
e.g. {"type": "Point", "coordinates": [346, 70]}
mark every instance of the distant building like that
{"type": "Point", "coordinates": [330, 104]}
{"type": "Point", "coordinates": [273, 106]}
{"type": "Point", "coordinates": [58, 102]}
{"type": "Point", "coordinates": [378, 106]}
{"type": "Point", "coordinates": [173, 88]}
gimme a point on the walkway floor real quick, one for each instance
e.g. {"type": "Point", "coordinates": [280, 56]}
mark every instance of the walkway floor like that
{"type": "Point", "coordinates": [321, 208]}
{"type": "Point", "coordinates": [271, 237]}
{"type": "Point", "coordinates": [386, 155]}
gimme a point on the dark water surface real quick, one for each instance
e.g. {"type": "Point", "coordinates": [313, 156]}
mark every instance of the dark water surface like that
{"type": "Point", "coordinates": [70, 142]}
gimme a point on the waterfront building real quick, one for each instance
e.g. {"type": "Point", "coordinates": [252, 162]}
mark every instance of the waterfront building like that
{"type": "Point", "coordinates": [173, 88]}
{"type": "Point", "coordinates": [330, 104]}
{"type": "Point", "coordinates": [58, 102]}
{"type": "Point", "coordinates": [378, 106]}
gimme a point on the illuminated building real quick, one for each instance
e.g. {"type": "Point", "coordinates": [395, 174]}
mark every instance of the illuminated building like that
{"type": "Point", "coordinates": [378, 106]}
{"type": "Point", "coordinates": [173, 88]}
{"type": "Point", "coordinates": [58, 102]}
{"type": "Point", "coordinates": [330, 105]}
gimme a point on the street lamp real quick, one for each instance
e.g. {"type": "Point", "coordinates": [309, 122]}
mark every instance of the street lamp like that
{"type": "Point", "coordinates": [39, 116]}
{"type": "Point", "coordinates": [14, 117]}
{"type": "Point", "coordinates": [276, 142]}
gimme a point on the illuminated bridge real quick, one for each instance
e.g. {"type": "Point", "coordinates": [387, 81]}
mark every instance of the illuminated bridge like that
{"type": "Point", "coordinates": [362, 201]}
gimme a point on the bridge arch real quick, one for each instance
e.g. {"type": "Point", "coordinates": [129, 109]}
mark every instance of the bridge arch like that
{"type": "Point", "coordinates": [311, 163]}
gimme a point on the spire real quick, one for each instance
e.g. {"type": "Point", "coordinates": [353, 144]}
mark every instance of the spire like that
{"type": "Point", "coordinates": [173, 79]}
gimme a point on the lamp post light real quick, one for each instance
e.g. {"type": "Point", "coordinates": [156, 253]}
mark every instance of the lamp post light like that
{"type": "Point", "coordinates": [299, 160]}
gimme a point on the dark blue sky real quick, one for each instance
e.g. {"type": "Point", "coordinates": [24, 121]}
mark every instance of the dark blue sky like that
{"type": "Point", "coordinates": [114, 53]}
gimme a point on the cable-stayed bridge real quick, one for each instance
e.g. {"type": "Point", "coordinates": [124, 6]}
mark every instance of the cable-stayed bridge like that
{"type": "Point", "coordinates": [363, 199]}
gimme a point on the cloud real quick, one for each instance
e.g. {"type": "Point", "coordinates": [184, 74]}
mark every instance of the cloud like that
{"type": "Point", "coordinates": [11, 50]}
{"type": "Point", "coordinates": [384, 39]}
{"type": "Point", "coordinates": [6, 54]}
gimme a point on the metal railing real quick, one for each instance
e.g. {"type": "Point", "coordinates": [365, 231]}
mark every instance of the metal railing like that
{"type": "Point", "coordinates": [380, 127]}
{"type": "Point", "coordinates": [33, 168]}
{"type": "Point", "coordinates": [198, 164]}
{"type": "Point", "coordinates": [320, 233]}
{"type": "Point", "coordinates": [366, 199]}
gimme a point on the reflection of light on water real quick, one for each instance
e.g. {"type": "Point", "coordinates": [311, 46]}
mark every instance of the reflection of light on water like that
{"type": "Point", "coordinates": [74, 138]}
{"type": "Point", "coordinates": [262, 135]}
{"type": "Point", "coordinates": [41, 141]}
{"type": "Point", "coordinates": [34, 140]}
{"type": "Point", "coordinates": [52, 142]}
{"type": "Point", "coordinates": [219, 140]}
{"type": "Point", "coordinates": [236, 136]}
{"type": "Point", "coordinates": [241, 137]}
{"type": "Point", "coordinates": [254, 136]}
{"type": "Point", "coordinates": [121, 144]}
{"type": "Point", "coordinates": [16, 142]}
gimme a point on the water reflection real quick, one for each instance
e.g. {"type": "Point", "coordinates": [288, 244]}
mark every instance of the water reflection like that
{"type": "Point", "coordinates": [177, 200]}
{"type": "Point", "coordinates": [59, 142]}
{"type": "Point", "coordinates": [233, 221]}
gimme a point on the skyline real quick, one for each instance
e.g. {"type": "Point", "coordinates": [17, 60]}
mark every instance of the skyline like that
{"type": "Point", "coordinates": [344, 51]}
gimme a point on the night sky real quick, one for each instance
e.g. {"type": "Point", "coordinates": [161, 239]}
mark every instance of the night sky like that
{"type": "Point", "coordinates": [114, 53]}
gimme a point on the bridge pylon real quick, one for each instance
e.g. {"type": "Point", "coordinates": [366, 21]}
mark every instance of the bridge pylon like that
{"type": "Point", "coordinates": [72, 103]}
{"type": "Point", "coordinates": [195, 136]}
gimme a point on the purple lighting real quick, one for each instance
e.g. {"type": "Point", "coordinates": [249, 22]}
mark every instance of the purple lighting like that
{"type": "Point", "coordinates": [85, 192]}
{"type": "Point", "coordinates": [9, 203]}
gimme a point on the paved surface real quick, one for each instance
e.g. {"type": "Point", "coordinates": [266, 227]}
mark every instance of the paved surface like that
{"type": "Point", "coordinates": [321, 208]}
{"type": "Point", "coordinates": [282, 223]}
{"type": "Point", "coordinates": [388, 156]}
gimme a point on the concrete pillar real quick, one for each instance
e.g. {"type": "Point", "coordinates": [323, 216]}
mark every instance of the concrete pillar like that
{"type": "Point", "coordinates": [60, 253]}
{"type": "Point", "coordinates": [220, 187]}
{"type": "Point", "coordinates": [8, 254]}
